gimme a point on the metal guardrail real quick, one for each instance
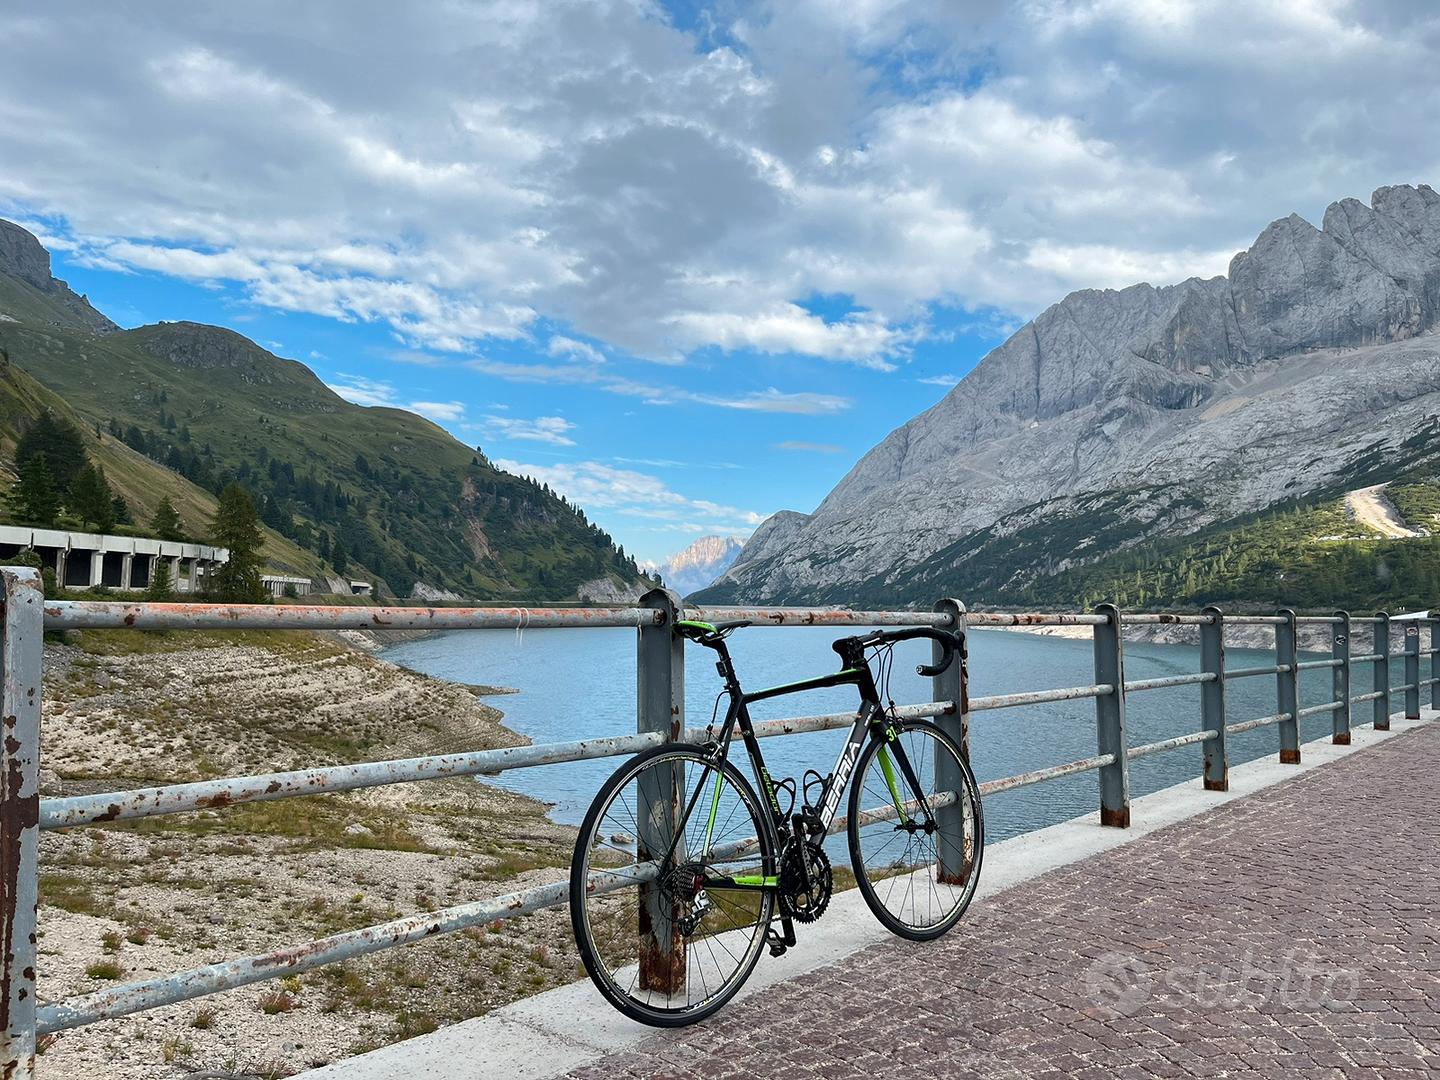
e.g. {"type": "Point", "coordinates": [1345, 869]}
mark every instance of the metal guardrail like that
{"type": "Point", "coordinates": [660, 718]}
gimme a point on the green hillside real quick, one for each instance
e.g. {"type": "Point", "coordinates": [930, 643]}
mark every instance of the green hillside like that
{"type": "Point", "coordinates": [382, 492]}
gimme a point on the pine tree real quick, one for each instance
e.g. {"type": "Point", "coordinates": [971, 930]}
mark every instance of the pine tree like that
{"type": "Point", "coordinates": [339, 557]}
{"type": "Point", "coordinates": [34, 498]}
{"type": "Point", "coordinates": [60, 443]}
{"type": "Point", "coordinates": [237, 527]}
{"type": "Point", "coordinates": [165, 523]}
{"type": "Point", "coordinates": [161, 588]}
{"type": "Point", "coordinates": [91, 499]}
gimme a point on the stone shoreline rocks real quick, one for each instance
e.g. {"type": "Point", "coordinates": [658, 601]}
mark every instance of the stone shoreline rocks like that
{"type": "Point", "coordinates": [133, 900]}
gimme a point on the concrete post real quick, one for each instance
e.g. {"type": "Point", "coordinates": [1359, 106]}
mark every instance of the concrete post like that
{"type": "Point", "coordinates": [1412, 670]}
{"type": "Point", "coordinates": [20, 656]}
{"type": "Point", "coordinates": [1340, 680]}
{"type": "Point", "coordinates": [1287, 688]}
{"type": "Point", "coordinates": [1110, 720]}
{"type": "Point", "coordinates": [952, 685]}
{"type": "Point", "coordinates": [660, 701]}
{"type": "Point", "coordinates": [127, 565]}
{"type": "Point", "coordinates": [1382, 671]}
{"type": "Point", "coordinates": [97, 567]}
{"type": "Point", "coordinates": [1216, 757]}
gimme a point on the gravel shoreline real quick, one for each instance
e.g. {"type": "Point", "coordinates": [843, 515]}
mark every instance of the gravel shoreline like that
{"type": "Point", "coordinates": [131, 901]}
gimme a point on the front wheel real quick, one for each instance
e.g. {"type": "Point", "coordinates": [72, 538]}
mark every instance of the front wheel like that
{"type": "Point", "coordinates": [662, 938]}
{"type": "Point", "coordinates": [916, 853]}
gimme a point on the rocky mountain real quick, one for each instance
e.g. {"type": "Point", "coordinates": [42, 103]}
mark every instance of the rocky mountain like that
{"type": "Point", "coordinates": [1116, 417]}
{"type": "Point", "coordinates": [700, 563]}
{"type": "Point", "coordinates": [378, 492]}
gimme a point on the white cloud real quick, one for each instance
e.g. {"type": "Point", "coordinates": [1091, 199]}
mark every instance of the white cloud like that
{"type": "Point", "coordinates": [634, 494]}
{"type": "Point", "coordinates": [657, 191]}
{"type": "Point", "coordinates": [444, 411]}
{"type": "Point", "coordinates": [560, 346]}
{"type": "Point", "coordinates": [939, 380]}
{"type": "Point", "coordinates": [545, 429]}
{"type": "Point", "coordinates": [362, 391]}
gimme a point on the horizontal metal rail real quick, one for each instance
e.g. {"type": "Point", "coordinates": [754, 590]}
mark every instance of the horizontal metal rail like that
{"type": "Point", "coordinates": [1307, 665]}
{"type": "Point", "coordinates": [765, 616]}
{"type": "Point", "coordinates": [1317, 620]}
{"type": "Point", "coordinates": [1367, 697]}
{"type": "Point", "coordinates": [796, 725]}
{"type": "Point", "coordinates": [999, 618]}
{"type": "Point", "coordinates": [1010, 783]}
{"type": "Point", "coordinates": [1170, 744]}
{"type": "Point", "coordinates": [213, 794]}
{"type": "Point", "coordinates": [1367, 658]}
{"type": "Point", "coordinates": [1169, 680]}
{"type": "Point", "coordinates": [1246, 672]}
{"type": "Point", "coordinates": [1255, 620]}
{"type": "Point", "coordinates": [1258, 722]}
{"type": "Point", "coordinates": [111, 615]}
{"type": "Point", "coordinates": [1315, 710]}
{"type": "Point", "coordinates": [1169, 620]}
{"type": "Point", "coordinates": [1036, 697]}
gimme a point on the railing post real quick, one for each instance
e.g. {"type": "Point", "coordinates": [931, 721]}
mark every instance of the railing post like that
{"type": "Point", "coordinates": [1212, 701]}
{"type": "Point", "coordinates": [21, 654]}
{"type": "Point", "coordinates": [1382, 671]}
{"type": "Point", "coordinates": [1340, 680]}
{"type": "Point", "coordinates": [953, 685]}
{"type": "Point", "coordinates": [1287, 688]}
{"type": "Point", "coordinates": [660, 706]}
{"type": "Point", "coordinates": [1434, 661]}
{"type": "Point", "coordinates": [1412, 670]}
{"type": "Point", "coordinates": [1110, 719]}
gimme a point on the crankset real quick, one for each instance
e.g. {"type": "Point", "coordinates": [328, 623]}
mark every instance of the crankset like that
{"type": "Point", "coordinates": [805, 881]}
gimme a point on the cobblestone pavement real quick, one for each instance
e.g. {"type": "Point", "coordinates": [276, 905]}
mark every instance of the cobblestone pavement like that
{"type": "Point", "coordinates": [1293, 933]}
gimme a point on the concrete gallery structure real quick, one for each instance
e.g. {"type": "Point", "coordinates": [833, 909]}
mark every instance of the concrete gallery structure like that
{"type": "Point", "coordinates": [85, 560]}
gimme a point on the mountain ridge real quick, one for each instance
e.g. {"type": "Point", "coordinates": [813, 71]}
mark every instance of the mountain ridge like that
{"type": "Point", "coordinates": [1189, 404]}
{"type": "Point", "coordinates": [381, 490]}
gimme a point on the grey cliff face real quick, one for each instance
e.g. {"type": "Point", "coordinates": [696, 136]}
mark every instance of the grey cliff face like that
{"type": "Point", "coordinates": [24, 257]}
{"type": "Point", "coordinates": [1216, 397]}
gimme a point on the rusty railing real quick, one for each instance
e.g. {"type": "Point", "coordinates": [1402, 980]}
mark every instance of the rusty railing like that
{"type": "Point", "coordinates": [660, 716]}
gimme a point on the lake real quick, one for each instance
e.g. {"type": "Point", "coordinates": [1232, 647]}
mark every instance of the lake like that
{"type": "Point", "coordinates": [579, 683]}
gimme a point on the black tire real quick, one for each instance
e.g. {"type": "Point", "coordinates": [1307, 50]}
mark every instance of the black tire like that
{"type": "Point", "coordinates": [946, 900]}
{"type": "Point", "coordinates": [615, 913]}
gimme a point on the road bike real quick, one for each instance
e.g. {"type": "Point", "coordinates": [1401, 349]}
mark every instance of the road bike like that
{"type": "Point", "coordinates": [681, 870]}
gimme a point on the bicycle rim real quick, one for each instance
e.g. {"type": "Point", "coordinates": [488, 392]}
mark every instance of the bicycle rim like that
{"type": "Point", "coordinates": [918, 882]}
{"type": "Point", "coordinates": [664, 952]}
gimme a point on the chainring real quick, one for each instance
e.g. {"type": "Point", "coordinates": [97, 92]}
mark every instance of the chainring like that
{"type": "Point", "coordinates": [798, 902]}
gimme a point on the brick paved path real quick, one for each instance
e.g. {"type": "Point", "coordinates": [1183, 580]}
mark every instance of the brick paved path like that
{"type": "Point", "coordinates": [1294, 933]}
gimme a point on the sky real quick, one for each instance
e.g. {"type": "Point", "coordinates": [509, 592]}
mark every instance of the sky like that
{"type": "Point", "coordinates": [684, 262]}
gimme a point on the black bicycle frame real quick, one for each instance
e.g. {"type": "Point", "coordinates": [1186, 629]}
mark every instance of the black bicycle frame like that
{"type": "Point", "coordinates": [869, 720]}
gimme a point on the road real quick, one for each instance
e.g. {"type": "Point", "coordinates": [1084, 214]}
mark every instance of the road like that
{"type": "Point", "coordinates": [1373, 509]}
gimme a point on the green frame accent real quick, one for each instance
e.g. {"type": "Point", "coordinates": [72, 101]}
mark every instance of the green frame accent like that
{"type": "Point", "coordinates": [883, 754]}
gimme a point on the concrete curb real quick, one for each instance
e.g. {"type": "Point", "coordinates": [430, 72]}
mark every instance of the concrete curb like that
{"type": "Point", "coordinates": [552, 1033]}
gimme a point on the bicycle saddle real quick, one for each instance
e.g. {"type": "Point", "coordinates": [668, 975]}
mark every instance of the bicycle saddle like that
{"type": "Point", "coordinates": [696, 630]}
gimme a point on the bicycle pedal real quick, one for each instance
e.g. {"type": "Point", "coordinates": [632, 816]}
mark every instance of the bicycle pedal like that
{"type": "Point", "coordinates": [777, 946]}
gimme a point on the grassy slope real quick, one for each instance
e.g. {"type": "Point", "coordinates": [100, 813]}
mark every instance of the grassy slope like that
{"type": "Point", "coordinates": [140, 481]}
{"type": "Point", "coordinates": [425, 507]}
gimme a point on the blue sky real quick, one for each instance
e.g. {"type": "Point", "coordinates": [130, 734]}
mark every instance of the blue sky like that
{"type": "Point", "coordinates": [685, 263]}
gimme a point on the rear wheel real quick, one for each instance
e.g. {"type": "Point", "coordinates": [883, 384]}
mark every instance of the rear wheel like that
{"type": "Point", "coordinates": [916, 870]}
{"type": "Point", "coordinates": [662, 949]}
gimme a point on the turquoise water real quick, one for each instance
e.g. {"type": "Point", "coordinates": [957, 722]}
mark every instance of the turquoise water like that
{"type": "Point", "coordinates": [579, 683]}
